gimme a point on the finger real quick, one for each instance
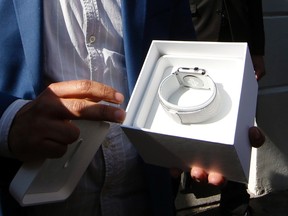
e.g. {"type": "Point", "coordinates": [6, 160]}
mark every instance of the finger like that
{"type": "Point", "coordinates": [256, 137]}
{"type": "Point", "coordinates": [216, 179]}
{"type": "Point", "coordinates": [86, 89]}
{"type": "Point", "coordinates": [83, 109]}
{"type": "Point", "coordinates": [51, 149]}
{"type": "Point", "coordinates": [58, 136]}
{"type": "Point", "coordinates": [199, 174]}
{"type": "Point", "coordinates": [259, 74]}
{"type": "Point", "coordinates": [47, 149]}
{"type": "Point", "coordinates": [61, 131]}
{"type": "Point", "coordinates": [50, 140]}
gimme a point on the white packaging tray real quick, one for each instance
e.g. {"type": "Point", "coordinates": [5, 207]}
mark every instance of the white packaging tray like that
{"type": "Point", "coordinates": [54, 180]}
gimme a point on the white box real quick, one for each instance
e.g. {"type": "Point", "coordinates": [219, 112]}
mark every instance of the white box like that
{"type": "Point", "coordinates": [219, 144]}
{"type": "Point", "coordinates": [54, 180]}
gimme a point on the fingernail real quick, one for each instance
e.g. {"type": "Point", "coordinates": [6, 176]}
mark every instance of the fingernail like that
{"type": "Point", "coordinates": [119, 97]}
{"type": "Point", "coordinates": [119, 115]}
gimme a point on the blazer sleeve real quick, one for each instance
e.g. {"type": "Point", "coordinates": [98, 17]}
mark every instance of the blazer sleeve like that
{"type": "Point", "coordinates": [5, 101]}
{"type": "Point", "coordinates": [15, 75]}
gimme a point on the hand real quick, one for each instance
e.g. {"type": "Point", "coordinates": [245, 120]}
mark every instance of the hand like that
{"type": "Point", "coordinates": [256, 138]}
{"type": "Point", "coordinates": [42, 128]}
{"type": "Point", "coordinates": [259, 66]}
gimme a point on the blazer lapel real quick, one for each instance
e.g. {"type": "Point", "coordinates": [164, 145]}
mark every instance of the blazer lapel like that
{"type": "Point", "coordinates": [133, 17]}
{"type": "Point", "coordinates": [143, 21]}
{"type": "Point", "coordinates": [29, 16]}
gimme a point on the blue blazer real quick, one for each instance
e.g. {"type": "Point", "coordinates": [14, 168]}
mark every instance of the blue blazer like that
{"type": "Point", "coordinates": [21, 60]}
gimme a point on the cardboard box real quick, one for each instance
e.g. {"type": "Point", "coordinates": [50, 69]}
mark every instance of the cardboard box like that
{"type": "Point", "coordinates": [219, 144]}
{"type": "Point", "coordinates": [54, 180]}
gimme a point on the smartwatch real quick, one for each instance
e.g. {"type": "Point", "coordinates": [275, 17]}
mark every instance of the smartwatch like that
{"type": "Point", "coordinates": [189, 95]}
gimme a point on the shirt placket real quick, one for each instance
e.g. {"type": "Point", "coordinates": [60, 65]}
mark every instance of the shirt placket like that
{"type": "Point", "coordinates": [91, 30]}
{"type": "Point", "coordinates": [111, 151]}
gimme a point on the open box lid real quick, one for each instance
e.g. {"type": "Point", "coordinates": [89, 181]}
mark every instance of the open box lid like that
{"type": "Point", "coordinates": [54, 180]}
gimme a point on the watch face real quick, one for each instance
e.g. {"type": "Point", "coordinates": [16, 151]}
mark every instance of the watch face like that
{"type": "Point", "coordinates": [193, 81]}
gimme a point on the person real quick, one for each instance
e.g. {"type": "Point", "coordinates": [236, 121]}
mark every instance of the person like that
{"type": "Point", "coordinates": [59, 61]}
{"type": "Point", "coordinates": [231, 21]}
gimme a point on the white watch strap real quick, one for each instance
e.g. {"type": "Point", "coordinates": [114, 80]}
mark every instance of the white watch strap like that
{"type": "Point", "coordinates": [203, 95]}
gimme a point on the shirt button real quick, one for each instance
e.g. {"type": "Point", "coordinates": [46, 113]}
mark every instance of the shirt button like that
{"type": "Point", "coordinates": [92, 39]}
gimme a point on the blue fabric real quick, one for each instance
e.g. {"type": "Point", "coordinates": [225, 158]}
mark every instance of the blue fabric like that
{"type": "Point", "coordinates": [133, 16]}
{"type": "Point", "coordinates": [20, 56]}
{"type": "Point", "coordinates": [144, 21]}
{"type": "Point", "coordinates": [6, 100]}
